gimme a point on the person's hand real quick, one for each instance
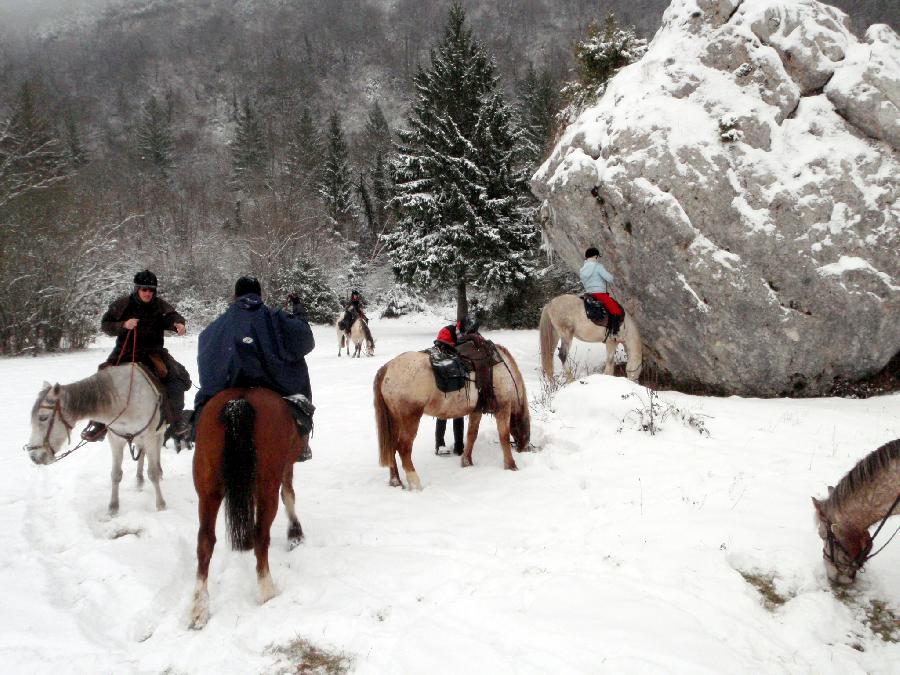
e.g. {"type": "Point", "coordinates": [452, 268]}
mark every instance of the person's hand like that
{"type": "Point", "coordinates": [179, 328]}
{"type": "Point", "coordinates": [131, 324]}
{"type": "Point", "coordinates": [293, 298]}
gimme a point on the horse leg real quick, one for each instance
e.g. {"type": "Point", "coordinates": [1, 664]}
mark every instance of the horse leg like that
{"type": "Point", "coordinates": [610, 367]}
{"type": "Point", "coordinates": [295, 532]}
{"type": "Point", "coordinates": [118, 449]}
{"type": "Point", "coordinates": [471, 435]}
{"type": "Point", "coordinates": [210, 500]}
{"type": "Point", "coordinates": [565, 341]}
{"type": "Point", "coordinates": [267, 507]}
{"type": "Point", "coordinates": [502, 418]}
{"type": "Point", "coordinates": [154, 472]}
{"type": "Point", "coordinates": [140, 472]}
{"type": "Point", "coordinates": [404, 449]}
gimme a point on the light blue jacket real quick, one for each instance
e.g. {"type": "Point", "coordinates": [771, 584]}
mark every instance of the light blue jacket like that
{"type": "Point", "coordinates": [595, 277]}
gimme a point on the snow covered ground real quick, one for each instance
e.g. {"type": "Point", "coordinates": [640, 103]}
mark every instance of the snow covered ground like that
{"type": "Point", "coordinates": [606, 553]}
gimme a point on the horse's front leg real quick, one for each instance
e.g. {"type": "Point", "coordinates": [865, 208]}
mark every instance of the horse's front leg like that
{"type": "Point", "coordinates": [118, 448]}
{"type": "Point", "coordinates": [610, 367]}
{"type": "Point", "coordinates": [503, 432]}
{"type": "Point", "coordinates": [140, 472]}
{"type": "Point", "coordinates": [471, 435]}
{"type": "Point", "coordinates": [154, 469]}
{"type": "Point", "coordinates": [295, 532]}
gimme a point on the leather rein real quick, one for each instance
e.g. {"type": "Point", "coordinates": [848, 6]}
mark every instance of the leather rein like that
{"type": "Point", "coordinates": [864, 556]}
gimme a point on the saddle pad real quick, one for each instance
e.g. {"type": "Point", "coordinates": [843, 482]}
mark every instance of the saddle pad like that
{"type": "Point", "coordinates": [595, 310]}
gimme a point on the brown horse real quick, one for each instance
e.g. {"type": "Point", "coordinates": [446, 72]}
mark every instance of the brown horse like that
{"type": "Point", "coordinates": [405, 390]}
{"type": "Point", "coordinates": [564, 318]}
{"type": "Point", "coordinates": [247, 442]}
{"type": "Point", "coordinates": [869, 493]}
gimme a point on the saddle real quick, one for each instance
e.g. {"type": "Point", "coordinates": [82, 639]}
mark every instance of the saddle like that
{"type": "Point", "coordinates": [480, 355]}
{"type": "Point", "coordinates": [450, 373]}
{"type": "Point", "coordinates": [596, 311]}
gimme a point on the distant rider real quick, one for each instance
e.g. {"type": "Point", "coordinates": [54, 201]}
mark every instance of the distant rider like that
{"type": "Point", "coordinates": [447, 340]}
{"type": "Point", "coordinates": [138, 322]}
{"type": "Point", "coordinates": [355, 309]}
{"type": "Point", "coordinates": [251, 345]}
{"type": "Point", "coordinates": [595, 278]}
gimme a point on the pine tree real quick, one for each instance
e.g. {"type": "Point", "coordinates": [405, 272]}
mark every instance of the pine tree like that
{"type": "Point", "coordinates": [377, 137]}
{"type": "Point", "coordinates": [304, 152]}
{"type": "Point", "coordinates": [605, 51]}
{"type": "Point", "coordinates": [154, 136]}
{"type": "Point", "coordinates": [31, 156]}
{"type": "Point", "coordinates": [248, 151]}
{"type": "Point", "coordinates": [461, 195]}
{"type": "Point", "coordinates": [76, 153]}
{"type": "Point", "coordinates": [538, 105]}
{"type": "Point", "coordinates": [336, 183]}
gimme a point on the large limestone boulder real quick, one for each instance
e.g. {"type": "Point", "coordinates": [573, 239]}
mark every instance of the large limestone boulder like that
{"type": "Point", "coordinates": [743, 183]}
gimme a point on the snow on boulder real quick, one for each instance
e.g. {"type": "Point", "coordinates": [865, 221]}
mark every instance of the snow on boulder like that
{"type": "Point", "coordinates": [742, 181]}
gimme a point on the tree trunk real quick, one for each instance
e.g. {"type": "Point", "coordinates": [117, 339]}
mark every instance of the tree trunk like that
{"type": "Point", "coordinates": [462, 302]}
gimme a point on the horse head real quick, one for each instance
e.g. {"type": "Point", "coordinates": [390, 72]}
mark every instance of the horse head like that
{"type": "Point", "coordinates": [49, 429]}
{"type": "Point", "coordinates": [845, 549]}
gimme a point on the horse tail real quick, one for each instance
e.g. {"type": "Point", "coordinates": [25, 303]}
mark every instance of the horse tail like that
{"type": "Point", "coordinates": [386, 443]}
{"type": "Point", "coordinates": [239, 472]}
{"type": "Point", "coordinates": [549, 338]}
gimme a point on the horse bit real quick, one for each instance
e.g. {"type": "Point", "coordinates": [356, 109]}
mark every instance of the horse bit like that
{"type": "Point", "coordinates": [45, 444]}
{"type": "Point", "coordinates": [856, 563]}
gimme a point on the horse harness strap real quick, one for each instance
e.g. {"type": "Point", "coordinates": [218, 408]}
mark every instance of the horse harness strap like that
{"type": "Point", "coordinates": [864, 556]}
{"type": "Point", "coordinates": [887, 515]}
{"type": "Point", "coordinates": [480, 356]}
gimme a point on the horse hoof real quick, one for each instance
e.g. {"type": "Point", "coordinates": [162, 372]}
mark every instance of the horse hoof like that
{"type": "Point", "coordinates": [160, 506]}
{"type": "Point", "coordinates": [465, 461]}
{"type": "Point", "coordinates": [395, 482]}
{"type": "Point", "coordinates": [511, 467]}
{"type": "Point", "coordinates": [113, 510]}
{"type": "Point", "coordinates": [294, 542]}
{"type": "Point", "coordinates": [199, 618]}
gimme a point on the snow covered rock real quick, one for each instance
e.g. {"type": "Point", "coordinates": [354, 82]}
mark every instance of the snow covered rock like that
{"type": "Point", "coordinates": [742, 180]}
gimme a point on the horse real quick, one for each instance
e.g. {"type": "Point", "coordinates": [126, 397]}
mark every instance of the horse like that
{"type": "Point", "coordinates": [405, 390]}
{"type": "Point", "coordinates": [867, 494]}
{"type": "Point", "coordinates": [564, 318]}
{"type": "Point", "coordinates": [247, 442]}
{"type": "Point", "coordinates": [122, 397]}
{"type": "Point", "coordinates": [357, 335]}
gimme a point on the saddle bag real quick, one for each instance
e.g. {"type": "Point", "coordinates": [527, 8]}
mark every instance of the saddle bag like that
{"type": "Point", "coordinates": [303, 410]}
{"type": "Point", "coordinates": [595, 310]}
{"type": "Point", "coordinates": [481, 356]}
{"type": "Point", "coordinates": [449, 372]}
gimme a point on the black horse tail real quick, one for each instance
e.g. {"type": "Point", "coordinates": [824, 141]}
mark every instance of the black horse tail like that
{"type": "Point", "coordinates": [239, 472]}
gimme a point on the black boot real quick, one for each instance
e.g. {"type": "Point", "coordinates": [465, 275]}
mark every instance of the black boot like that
{"type": "Point", "coordinates": [458, 443]}
{"type": "Point", "coordinates": [94, 431]}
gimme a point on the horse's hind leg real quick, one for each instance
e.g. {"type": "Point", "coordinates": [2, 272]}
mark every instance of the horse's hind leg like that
{"type": "Point", "coordinates": [139, 479]}
{"type": "Point", "coordinates": [266, 508]}
{"type": "Point", "coordinates": [565, 341]}
{"type": "Point", "coordinates": [295, 532]}
{"type": "Point", "coordinates": [471, 435]}
{"type": "Point", "coordinates": [503, 432]}
{"type": "Point", "coordinates": [610, 367]}
{"type": "Point", "coordinates": [206, 540]}
{"type": "Point", "coordinates": [118, 448]}
{"type": "Point", "coordinates": [407, 435]}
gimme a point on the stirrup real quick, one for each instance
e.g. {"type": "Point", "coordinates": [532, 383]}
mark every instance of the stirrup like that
{"type": "Point", "coordinates": [442, 451]}
{"type": "Point", "coordinates": [94, 431]}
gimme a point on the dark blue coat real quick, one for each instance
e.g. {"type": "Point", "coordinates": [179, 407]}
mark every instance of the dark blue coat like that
{"type": "Point", "coordinates": [252, 345]}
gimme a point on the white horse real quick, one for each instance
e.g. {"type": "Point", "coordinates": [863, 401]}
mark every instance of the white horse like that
{"type": "Point", "coordinates": [564, 318]}
{"type": "Point", "coordinates": [122, 397]}
{"type": "Point", "coordinates": [356, 335]}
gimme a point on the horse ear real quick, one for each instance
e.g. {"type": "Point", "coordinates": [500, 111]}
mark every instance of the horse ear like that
{"type": "Point", "coordinates": [56, 388]}
{"type": "Point", "coordinates": [818, 505]}
{"type": "Point", "coordinates": [830, 489]}
{"type": "Point", "coordinates": [46, 385]}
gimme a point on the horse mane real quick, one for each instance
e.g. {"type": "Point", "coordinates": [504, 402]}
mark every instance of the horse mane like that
{"type": "Point", "coordinates": [865, 472]}
{"type": "Point", "coordinates": [87, 396]}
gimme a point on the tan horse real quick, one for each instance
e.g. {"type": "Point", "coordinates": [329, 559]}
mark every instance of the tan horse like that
{"type": "Point", "coordinates": [405, 390]}
{"type": "Point", "coordinates": [564, 318]}
{"type": "Point", "coordinates": [356, 335]}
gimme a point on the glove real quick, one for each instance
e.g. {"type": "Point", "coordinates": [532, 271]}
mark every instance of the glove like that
{"type": "Point", "coordinates": [299, 309]}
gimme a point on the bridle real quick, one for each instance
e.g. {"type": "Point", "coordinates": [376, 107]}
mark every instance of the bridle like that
{"type": "Point", "coordinates": [45, 443]}
{"type": "Point", "coordinates": [855, 563]}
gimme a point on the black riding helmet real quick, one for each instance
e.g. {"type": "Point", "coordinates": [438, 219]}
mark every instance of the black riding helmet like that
{"type": "Point", "coordinates": [246, 285]}
{"type": "Point", "coordinates": [469, 324]}
{"type": "Point", "coordinates": [145, 279]}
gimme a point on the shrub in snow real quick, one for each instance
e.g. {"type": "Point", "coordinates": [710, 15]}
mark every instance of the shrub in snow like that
{"type": "Point", "coordinates": [402, 300]}
{"type": "Point", "coordinates": [651, 412]}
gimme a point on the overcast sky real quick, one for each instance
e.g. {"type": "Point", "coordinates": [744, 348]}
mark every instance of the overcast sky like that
{"type": "Point", "coordinates": [30, 12]}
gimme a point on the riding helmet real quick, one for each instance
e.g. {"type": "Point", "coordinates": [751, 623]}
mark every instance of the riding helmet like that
{"type": "Point", "coordinates": [591, 252]}
{"type": "Point", "coordinates": [246, 285]}
{"type": "Point", "coordinates": [145, 279]}
{"type": "Point", "coordinates": [469, 324]}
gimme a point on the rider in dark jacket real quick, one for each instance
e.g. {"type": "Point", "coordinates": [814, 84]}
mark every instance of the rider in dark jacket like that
{"type": "Point", "coordinates": [251, 345]}
{"type": "Point", "coordinates": [138, 322]}
{"type": "Point", "coordinates": [447, 339]}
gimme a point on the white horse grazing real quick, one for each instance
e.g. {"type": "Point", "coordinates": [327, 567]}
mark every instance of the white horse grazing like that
{"type": "Point", "coordinates": [356, 335]}
{"type": "Point", "coordinates": [564, 318]}
{"type": "Point", "coordinates": [122, 397]}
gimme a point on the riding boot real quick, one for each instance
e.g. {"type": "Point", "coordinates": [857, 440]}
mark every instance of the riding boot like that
{"type": "Point", "coordinates": [439, 428]}
{"type": "Point", "coordinates": [459, 443]}
{"type": "Point", "coordinates": [94, 431]}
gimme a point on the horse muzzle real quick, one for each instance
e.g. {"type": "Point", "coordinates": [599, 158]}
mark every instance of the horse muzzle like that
{"type": "Point", "coordinates": [40, 454]}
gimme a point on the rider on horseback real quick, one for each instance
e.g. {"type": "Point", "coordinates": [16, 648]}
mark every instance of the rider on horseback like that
{"type": "Point", "coordinates": [251, 345]}
{"type": "Point", "coordinates": [353, 310]}
{"type": "Point", "coordinates": [447, 340]}
{"type": "Point", "coordinates": [138, 321]}
{"type": "Point", "coordinates": [595, 278]}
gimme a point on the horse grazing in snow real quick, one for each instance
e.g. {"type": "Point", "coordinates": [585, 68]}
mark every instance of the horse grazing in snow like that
{"type": "Point", "coordinates": [122, 397]}
{"type": "Point", "coordinates": [564, 318]}
{"type": "Point", "coordinates": [247, 442]}
{"type": "Point", "coordinates": [869, 493]}
{"type": "Point", "coordinates": [405, 390]}
{"type": "Point", "coordinates": [357, 335]}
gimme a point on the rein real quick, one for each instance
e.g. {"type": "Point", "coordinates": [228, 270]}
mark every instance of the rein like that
{"type": "Point", "coordinates": [864, 556]}
{"type": "Point", "coordinates": [887, 515]}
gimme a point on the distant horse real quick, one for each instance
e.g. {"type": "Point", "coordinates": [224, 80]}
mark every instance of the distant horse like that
{"type": "Point", "coordinates": [357, 335]}
{"type": "Point", "coordinates": [405, 390]}
{"type": "Point", "coordinates": [122, 397]}
{"type": "Point", "coordinates": [869, 493]}
{"type": "Point", "coordinates": [247, 442]}
{"type": "Point", "coordinates": [564, 318]}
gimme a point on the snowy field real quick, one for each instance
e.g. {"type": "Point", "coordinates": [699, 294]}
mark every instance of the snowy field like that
{"type": "Point", "coordinates": [605, 553]}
